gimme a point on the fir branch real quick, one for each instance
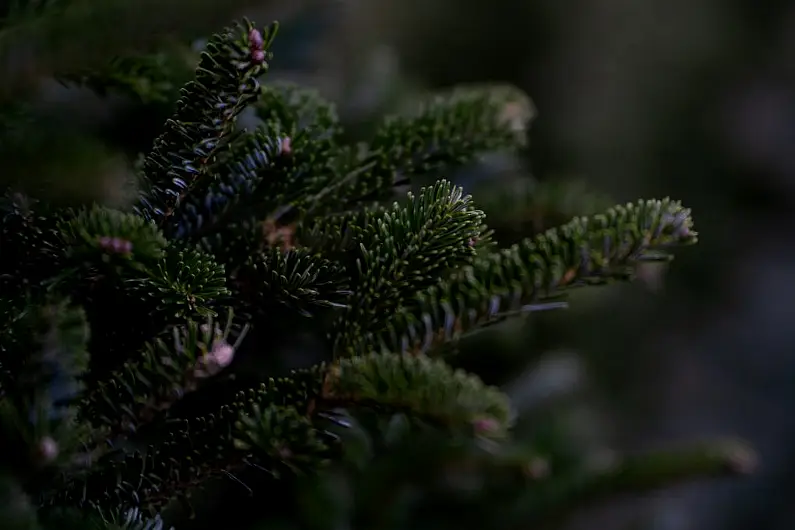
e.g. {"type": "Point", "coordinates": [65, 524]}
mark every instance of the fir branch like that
{"type": "Point", "coordinates": [524, 277]}
{"type": "Point", "coordinates": [444, 131]}
{"type": "Point", "coordinates": [184, 284]}
{"type": "Point", "coordinates": [286, 217]}
{"type": "Point", "coordinates": [282, 436]}
{"type": "Point", "coordinates": [111, 519]}
{"type": "Point", "coordinates": [98, 235]}
{"type": "Point", "coordinates": [30, 244]}
{"type": "Point", "coordinates": [242, 178]}
{"type": "Point", "coordinates": [280, 166]}
{"type": "Point", "coordinates": [410, 247]}
{"type": "Point", "coordinates": [295, 110]}
{"type": "Point", "coordinates": [132, 519]}
{"type": "Point", "coordinates": [198, 449]}
{"type": "Point", "coordinates": [298, 279]}
{"type": "Point", "coordinates": [44, 45]}
{"type": "Point", "coordinates": [334, 235]}
{"type": "Point", "coordinates": [422, 387]}
{"type": "Point", "coordinates": [248, 432]}
{"type": "Point", "coordinates": [555, 497]}
{"type": "Point", "coordinates": [48, 366]}
{"type": "Point", "coordinates": [154, 78]}
{"type": "Point", "coordinates": [204, 119]}
{"type": "Point", "coordinates": [164, 372]}
{"type": "Point", "coordinates": [312, 126]}
{"type": "Point", "coordinates": [48, 376]}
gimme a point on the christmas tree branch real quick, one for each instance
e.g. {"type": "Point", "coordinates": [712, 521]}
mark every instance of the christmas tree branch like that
{"type": "Point", "coordinates": [297, 279]}
{"type": "Point", "coordinates": [443, 131]}
{"type": "Point", "coordinates": [586, 251]}
{"type": "Point", "coordinates": [272, 427]}
{"type": "Point", "coordinates": [165, 370]}
{"type": "Point", "coordinates": [408, 248]}
{"type": "Point", "coordinates": [42, 43]}
{"type": "Point", "coordinates": [204, 120]}
{"type": "Point", "coordinates": [556, 496]}
{"type": "Point", "coordinates": [422, 387]}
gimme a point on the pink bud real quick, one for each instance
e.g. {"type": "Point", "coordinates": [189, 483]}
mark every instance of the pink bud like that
{"type": "Point", "coordinates": [286, 148]}
{"type": "Point", "coordinates": [258, 56]}
{"type": "Point", "coordinates": [116, 245]}
{"type": "Point", "coordinates": [219, 357]}
{"type": "Point", "coordinates": [48, 449]}
{"type": "Point", "coordinates": [255, 41]}
{"type": "Point", "coordinates": [485, 425]}
{"type": "Point", "coordinates": [222, 353]}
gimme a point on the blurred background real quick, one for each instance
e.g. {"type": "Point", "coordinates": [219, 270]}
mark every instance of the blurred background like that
{"type": "Point", "coordinates": [693, 99]}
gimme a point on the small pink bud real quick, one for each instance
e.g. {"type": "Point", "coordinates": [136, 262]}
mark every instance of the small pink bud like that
{"type": "Point", "coordinates": [255, 45]}
{"type": "Point", "coordinates": [116, 245]}
{"type": "Point", "coordinates": [48, 449]}
{"type": "Point", "coordinates": [222, 353]}
{"type": "Point", "coordinates": [219, 357]}
{"type": "Point", "coordinates": [255, 41]}
{"type": "Point", "coordinates": [258, 56]}
{"type": "Point", "coordinates": [286, 148]}
{"type": "Point", "coordinates": [486, 425]}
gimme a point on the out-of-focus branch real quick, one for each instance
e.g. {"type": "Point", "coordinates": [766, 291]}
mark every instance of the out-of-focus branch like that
{"type": "Point", "coordinates": [85, 34]}
{"type": "Point", "coordinates": [555, 499]}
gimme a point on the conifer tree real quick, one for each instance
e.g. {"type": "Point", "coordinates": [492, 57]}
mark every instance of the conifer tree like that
{"type": "Point", "coordinates": [134, 343]}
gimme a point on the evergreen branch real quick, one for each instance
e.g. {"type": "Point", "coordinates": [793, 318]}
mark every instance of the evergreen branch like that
{"type": "Point", "coordinates": [296, 278]}
{"type": "Point", "coordinates": [204, 120]}
{"type": "Point", "coordinates": [524, 277]}
{"type": "Point", "coordinates": [445, 131]}
{"type": "Point", "coordinates": [195, 450]}
{"type": "Point", "coordinates": [164, 372]}
{"type": "Point", "coordinates": [408, 248]}
{"type": "Point", "coordinates": [30, 244]}
{"type": "Point", "coordinates": [36, 403]}
{"type": "Point", "coordinates": [14, 335]}
{"type": "Point", "coordinates": [44, 45]}
{"type": "Point", "coordinates": [185, 283]}
{"type": "Point", "coordinates": [56, 357]}
{"type": "Point", "coordinates": [282, 436]}
{"type": "Point", "coordinates": [98, 235]}
{"type": "Point", "coordinates": [112, 519]}
{"type": "Point", "coordinates": [282, 221]}
{"type": "Point", "coordinates": [268, 428]}
{"type": "Point", "coordinates": [236, 242]}
{"type": "Point", "coordinates": [312, 126]}
{"type": "Point", "coordinates": [148, 78]}
{"type": "Point", "coordinates": [334, 234]}
{"type": "Point", "coordinates": [282, 164]}
{"type": "Point", "coordinates": [423, 387]}
{"type": "Point", "coordinates": [250, 164]}
{"type": "Point", "coordinates": [294, 109]}
{"type": "Point", "coordinates": [554, 497]}
{"type": "Point", "coordinates": [132, 519]}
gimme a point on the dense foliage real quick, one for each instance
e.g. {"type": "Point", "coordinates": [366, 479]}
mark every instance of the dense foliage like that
{"type": "Point", "coordinates": [135, 344]}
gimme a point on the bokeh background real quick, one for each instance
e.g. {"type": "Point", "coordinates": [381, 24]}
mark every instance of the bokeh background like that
{"type": "Point", "coordinates": [693, 99]}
